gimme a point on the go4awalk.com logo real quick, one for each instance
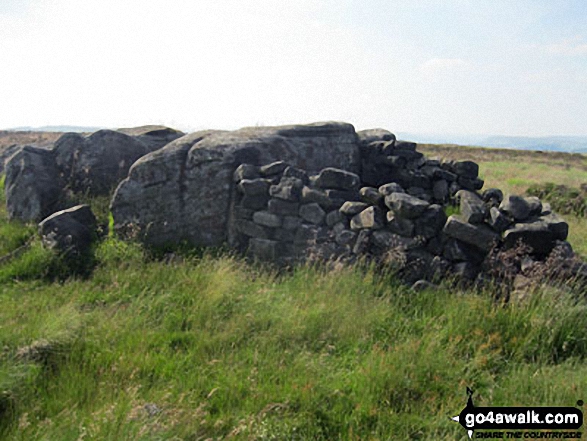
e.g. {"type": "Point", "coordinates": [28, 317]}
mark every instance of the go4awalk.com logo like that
{"type": "Point", "coordinates": [520, 422]}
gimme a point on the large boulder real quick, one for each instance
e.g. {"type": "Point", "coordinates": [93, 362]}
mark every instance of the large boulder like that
{"type": "Point", "coordinates": [33, 185]}
{"type": "Point", "coordinates": [153, 136]}
{"type": "Point", "coordinates": [182, 192]}
{"type": "Point", "coordinates": [96, 164]}
{"type": "Point", "coordinates": [70, 232]}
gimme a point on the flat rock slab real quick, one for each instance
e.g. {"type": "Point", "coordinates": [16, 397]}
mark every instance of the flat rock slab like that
{"type": "Point", "coordinates": [71, 231]}
{"type": "Point", "coordinates": [477, 235]}
{"type": "Point", "coordinates": [405, 205]}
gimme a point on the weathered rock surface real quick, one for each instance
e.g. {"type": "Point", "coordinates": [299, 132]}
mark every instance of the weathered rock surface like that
{"type": "Point", "coordinates": [153, 136]}
{"type": "Point", "coordinates": [33, 187]}
{"type": "Point", "coordinates": [70, 232]}
{"type": "Point", "coordinates": [182, 192]}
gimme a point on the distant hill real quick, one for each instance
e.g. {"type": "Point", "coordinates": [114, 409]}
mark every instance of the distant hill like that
{"type": "Point", "coordinates": [570, 144]}
{"type": "Point", "coordinates": [80, 129]}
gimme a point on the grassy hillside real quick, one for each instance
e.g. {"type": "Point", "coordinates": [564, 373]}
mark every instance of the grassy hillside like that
{"type": "Point", "coordinates": [207, 346]}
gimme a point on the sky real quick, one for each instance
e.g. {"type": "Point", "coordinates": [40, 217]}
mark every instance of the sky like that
{"type": "Point", "coordinates": [495, 67]}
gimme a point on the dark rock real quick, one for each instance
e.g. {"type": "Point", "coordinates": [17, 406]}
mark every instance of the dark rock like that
{"type": "Point", "coordinates": [466, 271]}
{"type": "Point", "coordinates": [405, 205]}
{"type": "Point", "coordinates": [431, 222]}
{"type": "Point", "coordinates": [337, 179]}
{"type": "Point", "coordinates": [275, 168]}
{"type": "Point", "coordinates": [243, 213]}
{"type": "Point", "coordinates": [320, 197]}
{"type": "Point", "coordinates": [439, 268]}
{"type": "Point", "coordinates": [346, 237]}
{"type": "Point", "coordinates": [556, 225]}
{"type": "Point", "coordinates": [70, 232]}
{"type": "Point", "coordinates": [535, 234]}
{"type": "Point", "coordinates": [399, 225]}
{"type": "Point", "coordinates": [246, 171]}
{"type": "Point", "coordinates": [535, 205]}
{"type": "Point", "coordinates": [515, 206]}
{"type": "Point", "coordinates": [181, 193]}
{"type": "Point", "coordinates": [294, 172]}
{"type": "Point", "coordinates": [153, 136]}
{"type": "Point", "coordinates": [546, 208]}
{"type": "Point", "coordinates": [283, 208]}
{"type": "Point", "coordinates": [289, 189]}
{"type": "Point", "coordinates": [310, 234]}
{"type": "Point", "coordinates": [457, 251]}
{"type": "Point", "coordinates": [471, 207]}
{"type": "Point", "coordinates": [371, 217]}
{"type": "Point", "coordinates": [406, 145]}
{"type": "Point", "coordinates": [94, 165]}
{"type": "Point", "coordinates": [334, 217]}
{"type": "Point", "coordinates": [392, 187]}
{"type": "Point", "coordinates": [254, 187]}
{"type": "Point", "coordinates": [371, 196]}
{"type": "Point", "coordinates": [284, 235]}
{"type": "Point", "coordinates": [467, 169]}
{"type": "Point", "coordinates": [291, 222]}
{"type": "Point", "coordinates": [396, 161]}
{"type": "Point", "coordinates": [368, 136]}
{"type": "Point", "coordinates": [477, 235]}
{"type": "Point", "coordinates": [312, 213]}
{"type": "Point", "coordinates": [266, 219]}
{"type": "Point", "coordinates": [33, 186]}
{"type": "Point", "coordinates": [493, 196]}
{"type": "Point", "coordinates": [470, 184]}
{"type": "Point", "coordinates": [420, 193]}
{"type": "Point", "coordinates": [421, 180]}
{"type": "Point", "coordinates": [362, 242]}
{"type": "Point", "coordinates": [351, 208]}
{"type": "Point", "coordinates": [258, 202]}
{"type": "Point", "coordinates": [385, 240]}
{"type": "Point", "coordinates": [497, 220]}
{"type": "Point", "coordinates": [445, 175]}
{"type": "Point", "coordinates": [342, 195]}
{"type": "Point", "coordinates": [440, 190]}
{"type": "Point", "coordinates": [251, 229]}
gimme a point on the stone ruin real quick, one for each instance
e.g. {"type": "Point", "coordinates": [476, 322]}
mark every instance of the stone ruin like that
{"type": "Point", "coordinates": [320, 191]}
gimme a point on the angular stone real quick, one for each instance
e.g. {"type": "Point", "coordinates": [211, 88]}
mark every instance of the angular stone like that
{"type": "Point", "coordinates": [334, 217]}
{"type": "Point", "coordinates": [267, 219]}
{"type": "Point", "coordinates": [386, 240]}
{"type": "Point", "coordinates": [312, 213]}
{"type": "Point", "coordinates": [493, 196]}
{"type": "Point", "coordinates": [243, 213]}
{"type": "Point", "coordinates": [254, 187]}
{"type": "Point", "coordinates": [477, 235]}
{"type": "Point", "coordinates": [264, 249]}
{"type": "Point", "coordinates": [497, 220]}
{"type": "Point", "coordinates": [275, 168]}
{"type": "Point", "coordinates": [445, 175]}
{"type": "Point", "coordinates": [431, 222]}
{"type": "Point", "coordinates": [318, 196]}
{"type": "Point", "coordinates": [420, 193]}
{"type": "Point", "coordinates": [371, 218]}
{"type": "Point", "coordinates": [535, 234]}
{"type": "Point", "coordinates": [371, 196]}
{"type": "Point", "coordinates": [310, 234]}
{"type": "Point", "coordinates": [405, 205]}
{"type": "Point", "coordinates": [343, 195]}
{"type": "Point", "coordinates": [337, 179]}
{"type": "Point", "coordinates": [405, 145]}
{"type": "Point", "coordinates": [439, 268]}
{"type": "Point", "coordinates": [246, 171]}
{"type": "Point", "coordinates": [471, 207]}
{"type": "Point", "coordinates": [294, 172]}
{"type": "Point", "coordinates": [345, 237]}
{"type": "Point", "coordinates": [421, 180]}
{"type": "Point", "coordinates": [515, 206]}
{"type": "Point", "coordinates": [470, 184]}
{"type": "Point", "coordinates": [556, 225]}
{"type": "Point", "coordinates": [392, 187]}
{"type": "Point", "coordinates": [457, 251]}
{"type": "Point", "coordinates": [396, 161]}
{"type": "Point", "coordinates": [535, 205]}
{"type": "Point", "coordinates": [283, 208]}
{"type": "Point", "coordinates": [288, 190]}
{"type": "Point", "coordinates": [284, 235]}
{"type": "Point", "coordinates": [258, 202]}
{"type": "Point", "coordinates": [251, 229]}
{"type": "Point", "coordinates": [467, 169]}
{"type": "Point", "coordinates": [351, 208]}
{"type": "Point", "coordinates": [440, 190]}
{"type": "Point", "coordinates": [399, 225]}
{"type": "Point", "coordinates": [362, 242]}
{"type": "Point", "coordinates": [367, 136]}
{"type": "Point", "coordinates": [466, 271]}
{"type": "Point", "coordinates": [291, 222]}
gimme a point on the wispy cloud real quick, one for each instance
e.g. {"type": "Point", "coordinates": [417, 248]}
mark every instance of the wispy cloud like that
{"type": "Point", "coordinates": [572, 47]}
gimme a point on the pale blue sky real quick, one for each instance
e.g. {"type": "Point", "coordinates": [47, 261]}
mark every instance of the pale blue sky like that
{"type": "Point", "coordinates": [454, 66]}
